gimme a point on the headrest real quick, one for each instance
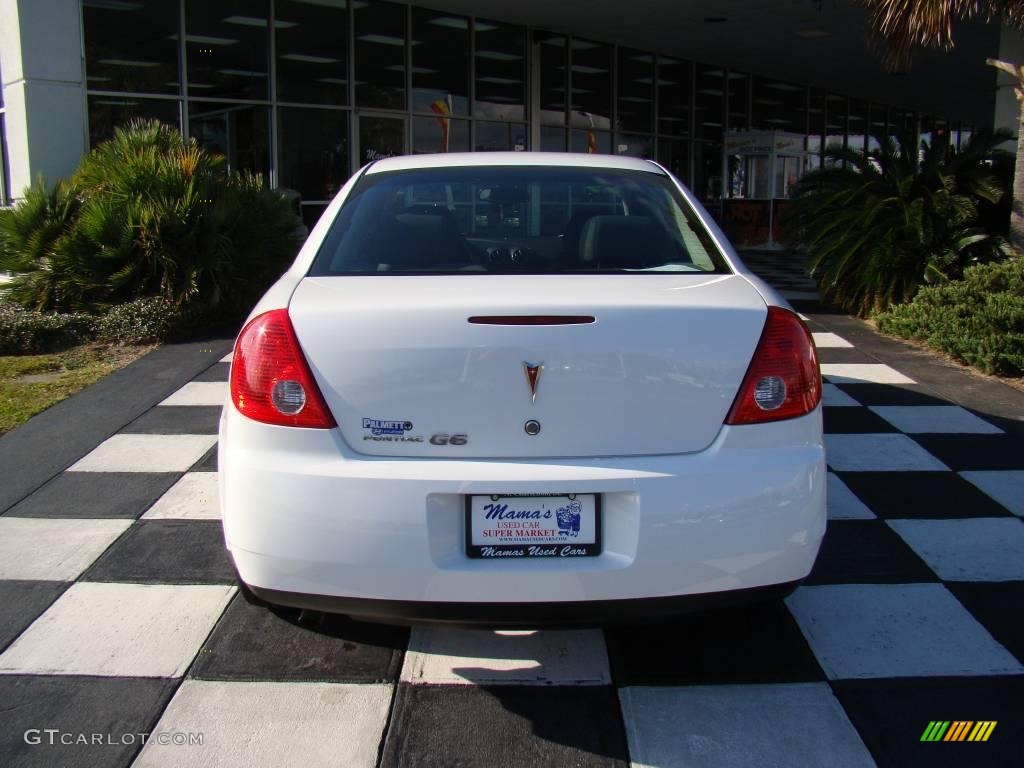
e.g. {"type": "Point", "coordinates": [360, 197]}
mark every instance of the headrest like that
{"type": "Point", "coordinates": [622, 242]}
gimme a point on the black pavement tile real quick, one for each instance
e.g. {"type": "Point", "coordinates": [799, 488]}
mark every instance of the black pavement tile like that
{"type": "Point", "coordinates": [757, 643]}
{"type": "Point", "coordinates": [1000, 609]}
{"type": "Point", "coordinates": [494, 727]}
{"type": "Point", "coordinates": [177, 420]}
{"type": "Point", "coordinates": [929, 495]}
{"type": "Point", "coordinates": [851, 420]}
{"type": "Point", "coordinates": [963, 452]}
{"type": "Point", "coordinates": [866, 552]}
{"type": "Point", "coordinates": [166, 552]}
{"type": "Point", "coordinates": [892, 715]}
{"type": "Point", "coordinates": [890, 394]}
{"type": "Point", "coordinates": [96, 495]}
{"type": "Point", "coordinates": [22, 602]}
{"type": "Point", "coordinates": [253, 642]}
{"type": "Point", "coordinates": [208, 463]}
{"type": "Point", "coordinates": [118, 709]}
{"type": "Point", "coordinates": [216, 372]}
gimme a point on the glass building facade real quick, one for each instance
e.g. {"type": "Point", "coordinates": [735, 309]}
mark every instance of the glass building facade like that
{"type": "Point", "coordinates": [307, 91]}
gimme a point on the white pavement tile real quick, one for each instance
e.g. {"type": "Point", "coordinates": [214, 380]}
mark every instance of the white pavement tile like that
{"type": "Point", "coordinates": [863, 373]}
{"type": "Point", "coordinates": [733, 726]}
{"type": "Point", "coordinates": [803, 317]}
{"type": "Point", "coordinates": [1006, 487]}
{"type": "Point", "coordinates": [979, 549]}
{"type": "Point", "coordinates": [193, 497]}
{"type": "Point", "coordinates": [878, 453]}
{"type": "Point", "coordinates": [48, 549]}
{"type": "Point", "coordinates": [830, 340]}
{"type": "Point", "coordinates": [145, 453]}
{"type": "Point", "coordinates": [199, 393]}
{"type": "Point", "coordinates": [480, 657]}
{"type": "Point", "coordinates": [834, 397]}
{"type": "Point", "coordinates": [121, 630]}
{"type": "Point", "coordinates": [895, 630]}
{"type": "Point", "coordinates": [843, 504]}
{"type": "Point", "coordinates": [258, 724]}
{"type": "Point", "coordinates": [941, 419]}
{"type": "Point", "coordinates": [228, 357]}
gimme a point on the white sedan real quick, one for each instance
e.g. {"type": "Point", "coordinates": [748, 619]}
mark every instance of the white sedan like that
{"type": "Point", "coordinates": [510, 388]}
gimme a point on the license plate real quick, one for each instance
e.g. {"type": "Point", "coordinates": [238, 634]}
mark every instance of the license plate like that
{"type": "Point", "coordinates": [515, 527]}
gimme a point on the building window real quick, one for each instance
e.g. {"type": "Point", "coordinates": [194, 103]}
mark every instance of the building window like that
{"type": "Point", "coordinates": [674, 97]}
{"type": "Point", "coordinates": [857, 125]}
{"type": "Point", "coordinates": [591, 99]}
{"type": "Point", "coordinates": [132, 46]}
{"type": "Point", "coordinates": [709, 102]}
{"type": "Point", "coordinates": [380, 55]}
{"type": "Point", "coordinates": [241, 132]}
{"type": "Point", "coordinates": [835, 121]}
{"type": "Point", "coordinates": [500, 71]}
{"type": "Point", "coordinates": [778, 106]}
{"type": "Point", "coordinates": [635, 91]}
{"type": "Point", "coordinates": [109, 112]}
{"type": "Point", "coordinates": [312, 151]}
{"type": "Point", "coordinates": [312, 52]}
{"type": "Point", "coordinates": [227, 48]}
{"type": "Point", "coordinates": [500, 137]}
{"type": "Point", "coordinates": [440, 67]}
{"type": "Point", "coordinates": [738, 101]}
{"type": "Point", "coordinates": [554, 83]}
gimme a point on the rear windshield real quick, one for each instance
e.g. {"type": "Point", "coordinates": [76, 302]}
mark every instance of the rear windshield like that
{"type": "Point", "coordinates": [516, 219]}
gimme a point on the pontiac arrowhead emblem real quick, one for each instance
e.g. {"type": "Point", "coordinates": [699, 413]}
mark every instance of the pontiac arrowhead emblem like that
{"type": "Point", "coordinates": [533, 371]}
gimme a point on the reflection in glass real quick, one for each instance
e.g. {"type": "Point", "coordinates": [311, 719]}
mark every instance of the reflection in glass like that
{"type": "Point", "coordinates": [440, 68]}
{"type": "Point", "coordinates": [591, 142]}
{"type": "Point", "coordinates": [778, 106]}
{"type": "Point", "coordinates": [239, 131]}
{"type": "Point", "coordinates": [636, 91]}
{"type": "Point", "coordinates": [739, 101]}
{"type": "Point", "coordinates": [500, 137]}
{"type": "Point", "coordinates": [132, 46]}
{"type": "Point", "coordinates": [109, 112]}
{"type": "Point", "coordinates": [707, 173]}
{"type": "Point", "coordinates": [709, 102]}
{"type": "Point", "coordinates": [591, 77]}
{"type": "Point", "coordinates": [857, 125]}
{"type": "Point", "coordinates": [500, 71]}
{"type": "Point", "coordinates": [815, 120]}
{"type": "Point", "coordinates": [380, 55]}
{"type": "Point", "coordinates": [835, 120]}
{"type": "Point", "coordinates": [634, 145]}
{"type": "Point", "coordinates": [439, 134]}
{"type": "Point", "coordinates": [227, 49]}
{"type": "Point", "coordinates": [674, 154]}
{"type": "Point", "coordinates": [312, 150]}
{"type": "Point", "coordinates": [380, 137]}
{"type": "Point", "coordinates": [552, 139]}
{"type": "Point", "coordinates": [553, 78]}
{"type": "Point", "coordinates": [674, 97]}
{"type": "Point", "coordinates": [878, 127]}
{"type": "Point", "coordinates": [312, 52]}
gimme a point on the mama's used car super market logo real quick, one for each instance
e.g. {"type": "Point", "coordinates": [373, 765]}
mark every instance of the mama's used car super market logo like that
{"type": "Point", "coordinates": [958, 730]}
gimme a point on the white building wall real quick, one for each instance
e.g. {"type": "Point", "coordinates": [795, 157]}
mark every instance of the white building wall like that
{"type": "Point", "coordinates": [41, 60]}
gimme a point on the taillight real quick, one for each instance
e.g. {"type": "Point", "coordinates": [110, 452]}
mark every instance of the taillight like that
{"type": "Point", "coordinates": [783, 380]}
{"type": "Point", "coordinates": [270, 379]}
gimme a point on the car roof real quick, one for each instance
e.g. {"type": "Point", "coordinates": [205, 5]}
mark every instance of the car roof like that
{"type": "Point", "coordinates": [484, 159]}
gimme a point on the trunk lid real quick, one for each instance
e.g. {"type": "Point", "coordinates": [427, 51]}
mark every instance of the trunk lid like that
{"type": "Point", "coordinates": [404, 371]}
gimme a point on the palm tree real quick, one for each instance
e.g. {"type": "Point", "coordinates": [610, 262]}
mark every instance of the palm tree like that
{"type": "Point", "coordinates": [904, 25]}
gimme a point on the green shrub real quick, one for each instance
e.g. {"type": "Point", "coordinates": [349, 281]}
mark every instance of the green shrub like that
{"type": "Point", "coordinates": [28, 332]}
{"type": "Point", "coordinates": [978, 320]}
{"type": "Point", "coordinates": [143, 321]}
{"type": "Point", "coordinates": [148, 214]}
{"type": "Point", "coordinates": [877, 225]}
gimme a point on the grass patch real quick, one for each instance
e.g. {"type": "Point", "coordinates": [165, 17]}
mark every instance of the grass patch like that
{"type": "Point", "coordinates": [32, 383]}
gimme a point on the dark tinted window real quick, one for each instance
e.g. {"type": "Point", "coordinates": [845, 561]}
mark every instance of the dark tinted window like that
{"type": "Point", "coordinates": [312, 52]}
{"type": "Point", "coordinates": [228, 48]}
{"type": "Point", "coordinates": [516, 220]}
{"type": "Point", "coordinates": [132, 46]}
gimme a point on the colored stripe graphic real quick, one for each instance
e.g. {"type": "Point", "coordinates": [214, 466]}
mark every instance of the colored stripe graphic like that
{"type": "Point", "coordinates": [958, 730]}
{"type": "Point", "coordinates": [935, 730]}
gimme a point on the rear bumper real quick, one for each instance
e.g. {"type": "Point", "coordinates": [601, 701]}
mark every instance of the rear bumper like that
{"type": "Point", "coordinates": [310, 523]}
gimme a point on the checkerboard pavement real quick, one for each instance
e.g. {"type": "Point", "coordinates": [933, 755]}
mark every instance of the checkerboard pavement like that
{"type": "Point", "coordinates": [119, 616]}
